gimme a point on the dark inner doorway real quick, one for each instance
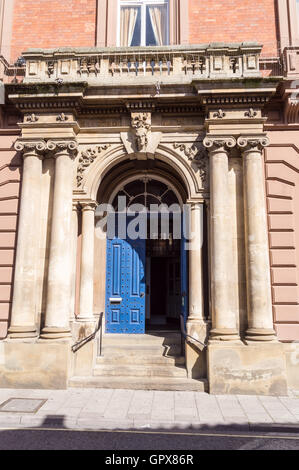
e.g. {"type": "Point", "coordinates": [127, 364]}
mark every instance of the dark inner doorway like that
{"type": "Point", "coordinates": [163, 284]}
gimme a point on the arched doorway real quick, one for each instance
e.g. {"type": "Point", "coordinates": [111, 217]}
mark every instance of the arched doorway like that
{"type": "Point", "coordinates": [145, 277]}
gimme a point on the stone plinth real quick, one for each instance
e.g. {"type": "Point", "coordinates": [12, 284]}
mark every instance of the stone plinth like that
{"type": "Point", "coordinates": [255, 369]}
{"type": "Point", "coordinates": [37, 365]}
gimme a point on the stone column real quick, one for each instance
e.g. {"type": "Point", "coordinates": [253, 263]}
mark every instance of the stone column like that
{"type": "Point", "coordinates": [259, 300]}
{"type": "Point", "coordinates": [196, 309]}
{"type": "Point", "coordinates": [223, 317]}
{"type": "Point", "coordinates": [87, 261]}
{"type": "Point", "coordinates": [74, 258]}
{"type": "Point", "coordinates": [23, 316]}
{"type": "Point", "coordinates": [57, 321]}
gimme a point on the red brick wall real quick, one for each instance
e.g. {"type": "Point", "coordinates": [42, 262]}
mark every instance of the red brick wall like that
{"type": "Point", "coordinates": [53, 23]}
{"type": "Point", "coordinates": [234, 21]}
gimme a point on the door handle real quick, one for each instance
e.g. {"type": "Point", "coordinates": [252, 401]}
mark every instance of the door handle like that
{"type": "Point", "coordinates": [142, 295]}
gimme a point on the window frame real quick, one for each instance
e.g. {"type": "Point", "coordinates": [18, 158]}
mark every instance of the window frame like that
{"type": "Point", "coordinates": [142, 4]}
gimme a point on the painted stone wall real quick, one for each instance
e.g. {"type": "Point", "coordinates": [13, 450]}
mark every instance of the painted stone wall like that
{"type": "Point", "coordinates": [10, 175]}
{"type": "Point", "coordinates": [282, 188]}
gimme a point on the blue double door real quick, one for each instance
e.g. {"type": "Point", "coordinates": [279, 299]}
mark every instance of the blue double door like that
{"type": "Point", "coordinates": [126, 285]}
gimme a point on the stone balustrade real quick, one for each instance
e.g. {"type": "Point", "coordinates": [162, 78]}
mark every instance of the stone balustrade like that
{"type": "Point", "coordinates": [209, 61]}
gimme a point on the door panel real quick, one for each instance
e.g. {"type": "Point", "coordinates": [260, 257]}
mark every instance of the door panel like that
{"type": "Point", "coordinates": [125, 286]}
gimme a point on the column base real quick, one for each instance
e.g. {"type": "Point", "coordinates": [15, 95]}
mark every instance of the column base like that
{"type": "Point", "coordinates": [224, 334]}
{"type": "Point", "coordinates": [85, 319]}
{"type": "Point", "coordinates": [55, 333]}
{"type": "Point", "coordinates": [260, 334]}
{"type": "Point", "coordinates": [19, 332]}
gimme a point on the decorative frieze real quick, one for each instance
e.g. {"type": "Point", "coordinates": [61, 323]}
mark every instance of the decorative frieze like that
{"type": "Point", "coordinates": [197, 154]}
{"type": "Point", "coordinates": [220, 114]}
{"type": "Point", "coordinates": [62, 117]}
{"type": "Point", "coordinates": [86, 158]}
{"type": "Point", "coordinates": [251, 113]}
{"type": "Point", "coordinates": [32, 118]}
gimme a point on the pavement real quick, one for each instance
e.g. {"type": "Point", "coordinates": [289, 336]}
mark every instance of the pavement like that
{"type": "Point", "coordinates": [104, 409]}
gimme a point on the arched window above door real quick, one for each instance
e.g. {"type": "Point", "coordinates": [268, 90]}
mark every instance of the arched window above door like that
{"type": "Point", "coordinates": [146, 191]}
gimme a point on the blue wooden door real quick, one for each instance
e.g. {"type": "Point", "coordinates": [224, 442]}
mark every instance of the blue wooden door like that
{"type": "Point", "coordinates": [125, 286]}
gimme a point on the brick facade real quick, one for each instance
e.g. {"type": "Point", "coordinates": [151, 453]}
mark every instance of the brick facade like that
{"type": "Point", "coordinates": [234, 20]}
{"type": "Point", "coordinates": [53, 23]}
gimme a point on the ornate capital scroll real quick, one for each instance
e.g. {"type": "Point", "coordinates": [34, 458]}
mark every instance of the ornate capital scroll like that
{"type": "Point", "coordinates": [86, 158]}
{"type": "Point", "coordinates": [219, 143]}
{"type": "Point", "coordinates": [197, 154]}
{"type": "Point", "coordinates": [57, 147]}
{"type": "Point", "coordinates": [30, 147]}
{"type": "Point", "coordinates": [88, 206]}
{"type": "Point", "coordinates": [252, 143]}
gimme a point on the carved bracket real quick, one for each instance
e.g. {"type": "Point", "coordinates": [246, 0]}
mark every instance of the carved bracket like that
{"type": "Point", "coordinates": [86, 158]}
{"type": "Point", "coordinates": [141, 124]}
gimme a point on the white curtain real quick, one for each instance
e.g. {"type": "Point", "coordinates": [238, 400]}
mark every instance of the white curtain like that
{"type": "Point", "coordinates": [127, 25]}
{"type": "Point", "coordinates": [159, 23]}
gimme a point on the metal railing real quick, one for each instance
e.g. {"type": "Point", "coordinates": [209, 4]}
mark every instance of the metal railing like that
{"type": "Point", "coordinates": [86, 340]}
{"type": "Point", "coordinates": [185, 337]}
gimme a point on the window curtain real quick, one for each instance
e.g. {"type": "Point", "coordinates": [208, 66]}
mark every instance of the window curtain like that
{"type": "Point", "coordinates": [127, 25]}
{"type": "Point", "coordinates": [158, 15]}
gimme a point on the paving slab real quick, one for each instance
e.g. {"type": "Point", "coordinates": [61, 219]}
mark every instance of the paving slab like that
{"type": "Point", "coordinates": [143, 409]}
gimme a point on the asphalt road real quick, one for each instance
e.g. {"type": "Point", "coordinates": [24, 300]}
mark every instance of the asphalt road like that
{"type": "Point", "coordinates": [49, 439]}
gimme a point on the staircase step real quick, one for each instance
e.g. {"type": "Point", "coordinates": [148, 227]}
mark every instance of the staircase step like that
{"type": "Point", "coordinates": [137, 383]}
{"type": "Point", "coordinates": [136, 350]}
{"type": "Point", "coordinates": [140, 359]}
{"type": "Point", "coordinates": [162, 339]}
{"type": "Point", "coordinates": [139, 371]}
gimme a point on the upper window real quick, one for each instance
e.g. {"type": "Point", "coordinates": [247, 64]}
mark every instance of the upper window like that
{"type": "Point", "coordinates": [143, 23]}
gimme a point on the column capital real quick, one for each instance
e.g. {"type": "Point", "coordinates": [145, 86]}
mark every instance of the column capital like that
{"type": "Point", "coordinates": [88, 205]}
{"type": "Point", "coordinates": [253, 143]}
{"type": "Point", "coordinates": [216, 143]}
{"type": "Point", "coordinates": [63, 147]}
{"type": "Point", "coordinates": [31, 147]}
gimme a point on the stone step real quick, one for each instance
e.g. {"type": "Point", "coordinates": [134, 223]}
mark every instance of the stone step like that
{"type": "Point", "coordinates": [136, 383]}
{"type": "Point", "coordinates": [140, 370]}
{"type": "Point", "coordinates": [162, 339]}
{"type": "Point", "coordinates": [139, 359]}
{"type": "Point", "coordinates": [136, 350]}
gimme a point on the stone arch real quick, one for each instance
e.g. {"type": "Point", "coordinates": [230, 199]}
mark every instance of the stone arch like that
{"type": "Point", "coordinates": [187, 172]}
